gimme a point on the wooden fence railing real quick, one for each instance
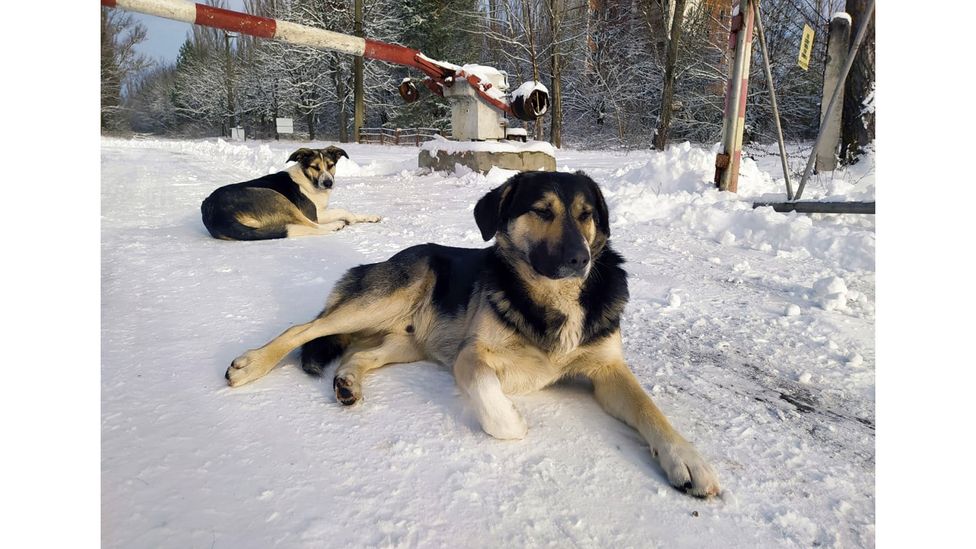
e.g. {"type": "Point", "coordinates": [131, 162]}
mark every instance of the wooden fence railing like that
{"type": "Point", "coordinates": [399, 136]}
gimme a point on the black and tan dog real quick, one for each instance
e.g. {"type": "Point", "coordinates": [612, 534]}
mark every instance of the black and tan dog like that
{"type": "Point", "coordinates": [542, 304]}
{"type": "Point", "coordinates": [293, 202]}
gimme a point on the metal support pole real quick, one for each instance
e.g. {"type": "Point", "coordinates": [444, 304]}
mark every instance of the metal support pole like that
{"type": "Point", "coordinates": [861, 32]}
{"type": "Point", "coordinates": [772, 98]}
{"type": "Point", "coordinates": [733, 124]}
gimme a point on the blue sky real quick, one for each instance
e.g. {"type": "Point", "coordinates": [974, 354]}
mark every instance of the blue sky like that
{"type": "Point", "coordinates": [165, 36]}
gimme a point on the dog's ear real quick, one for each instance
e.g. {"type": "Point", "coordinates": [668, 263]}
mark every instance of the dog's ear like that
{"type": "Point", "coordinates": [492, 210]}
{"type": "Point", "coordinates": [303, 156]}
{"type": "Point", "coordinates": [334, 153]}
{"type": "Point", "coordinates": [602, 215]}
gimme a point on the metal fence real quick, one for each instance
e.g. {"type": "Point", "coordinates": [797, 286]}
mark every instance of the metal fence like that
{"type": "Point", "coordinates": [399, 136]}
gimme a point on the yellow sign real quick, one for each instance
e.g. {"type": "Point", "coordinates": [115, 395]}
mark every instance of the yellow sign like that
{"type": "Point", "coordinates": [806, 48]}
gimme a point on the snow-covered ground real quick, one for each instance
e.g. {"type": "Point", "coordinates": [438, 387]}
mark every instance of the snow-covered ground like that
{"type": "Point", "coordinates": [752, 330]}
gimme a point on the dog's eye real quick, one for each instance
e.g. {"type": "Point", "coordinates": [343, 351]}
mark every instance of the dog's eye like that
{"type": "Point", "coordinates": [585, 216]}
{"type": "Point", "coordinates": [544, 213]}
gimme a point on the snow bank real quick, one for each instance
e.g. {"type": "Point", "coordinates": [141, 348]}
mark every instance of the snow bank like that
{"type": "Point", "coordinates": [262, 158]}
{"type": "Point", "coordinates": [675, 187]}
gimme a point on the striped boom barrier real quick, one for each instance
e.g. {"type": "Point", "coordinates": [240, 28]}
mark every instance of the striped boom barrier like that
{"type": "Point", "coordinates": [734, 121]}
{"type": "Point", "coordinates": [442, 74]}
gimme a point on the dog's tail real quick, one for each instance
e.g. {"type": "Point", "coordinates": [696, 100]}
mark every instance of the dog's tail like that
{"type": "Point", "coordinates": [318, 353]}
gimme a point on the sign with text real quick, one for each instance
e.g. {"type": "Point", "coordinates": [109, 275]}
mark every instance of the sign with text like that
{"type": "Point", "coordinates": [285, 125]}
{"type": "Point", "coordinates": [806, 48]}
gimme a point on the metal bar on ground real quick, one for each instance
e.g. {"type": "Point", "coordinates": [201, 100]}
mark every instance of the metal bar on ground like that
{"type": "Point", "coordinates": [820, 207]}
{"type": "Point", "coordinates": [861, 32]}
{"type": "Point", "coordinates": [772, 98]}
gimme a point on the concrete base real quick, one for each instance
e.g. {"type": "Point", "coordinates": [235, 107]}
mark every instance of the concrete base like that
{"type": "Point", "coordinates": [482, 161]}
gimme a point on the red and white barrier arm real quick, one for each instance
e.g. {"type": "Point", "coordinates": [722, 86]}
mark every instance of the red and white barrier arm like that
{"type": "Point", "coordinates": [293, 33]}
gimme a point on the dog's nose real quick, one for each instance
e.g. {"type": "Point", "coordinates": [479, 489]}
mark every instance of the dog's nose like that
{"type": "Point", "coordinates": [578, 260]}
{"type": "Point", "coordinates": [574, 264]}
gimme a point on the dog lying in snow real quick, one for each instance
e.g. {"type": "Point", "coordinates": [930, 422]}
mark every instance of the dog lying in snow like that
{"type": "Point", "coordinates": [543, 303]}
{"type": "Point", "coordinates": [293, 202]}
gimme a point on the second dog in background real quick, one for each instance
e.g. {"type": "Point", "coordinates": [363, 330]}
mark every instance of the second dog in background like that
{"type": "Point", "coordinates": [293, 202]}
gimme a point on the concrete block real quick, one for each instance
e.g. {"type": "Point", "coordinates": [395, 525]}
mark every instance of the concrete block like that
{"type": "Point", "coordinates": [482, 161]}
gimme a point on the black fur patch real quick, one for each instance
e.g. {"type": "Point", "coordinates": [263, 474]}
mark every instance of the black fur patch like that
{"type": "Point", "coordinates": [513, 305]}
{"type": "Point", "coordinates": [456, 271]}
{"type": "Point", "coordinates": [604, 296]}
{"type": "Point", "coordinates": [319, 353]}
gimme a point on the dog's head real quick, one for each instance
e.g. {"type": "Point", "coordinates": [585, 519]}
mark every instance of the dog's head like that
{"type": "Point", "coordinates": [318, 165]}
{"type": "Point", "coordinates": [556, 222]}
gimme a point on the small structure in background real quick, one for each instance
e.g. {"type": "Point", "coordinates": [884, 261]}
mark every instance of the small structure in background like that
{"type": "Point", "coordinates": [237, 133]}
{"type": "Point", "coordinates": [284, 126]}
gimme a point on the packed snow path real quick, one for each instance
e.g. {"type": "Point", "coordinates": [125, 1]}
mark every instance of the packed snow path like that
{"type": "Point", "coordinates": [752, 330]}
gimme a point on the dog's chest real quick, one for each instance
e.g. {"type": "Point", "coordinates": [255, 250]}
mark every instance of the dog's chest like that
{"type": "Point", "coordinates": [531, 369]}
{"type": "Point", "coordinates": [321, 201]}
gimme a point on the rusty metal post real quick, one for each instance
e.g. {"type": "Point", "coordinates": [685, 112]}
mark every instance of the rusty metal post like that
{"type": "Point", "coordinates": [861, 31]}
{"type": "Point", "coordinates": [734, 121]}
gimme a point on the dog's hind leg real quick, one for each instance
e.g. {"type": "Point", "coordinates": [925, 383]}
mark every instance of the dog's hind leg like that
{"type": "Point", "coordinates": [255, 363]}
{"type": "Point", "coordinates": [392, 349]}
{"type": "Point", "coordinates": [356, 314]}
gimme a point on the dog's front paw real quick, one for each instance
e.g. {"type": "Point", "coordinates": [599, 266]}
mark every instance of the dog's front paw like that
{"type": "Point", "coordinates": [244, 369]}
{"type": "Point", "coordinates": [370, 218]}
{"type": "Point", "coordinates": [687, 470]}
{"type": "Point", "coordinates": [335, 225]}
{"type": "Point", "coordinates": [503, 422]}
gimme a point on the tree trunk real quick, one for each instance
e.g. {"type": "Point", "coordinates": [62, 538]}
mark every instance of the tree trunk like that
{"type": "Point", "coordinates": [311, 125]}
{"type": "Point", "coordinates": [555, 85]}
{"type": "Point", "coordinates": [359, 107]}
{"type": "Point", "coordinates": [533, 59]}
{"type": "Point", "coordinates": [340, 84]}
{"type": "Point", "coordinates": [667, 94]}
{"type": "Point", "coordinates": [858, 126]}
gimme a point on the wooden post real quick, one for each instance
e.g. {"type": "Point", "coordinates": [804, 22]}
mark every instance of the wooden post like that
{"type": "Point", "coordinates": [396, 137]}
{"type": "Point", "coordinates": [837, 44]}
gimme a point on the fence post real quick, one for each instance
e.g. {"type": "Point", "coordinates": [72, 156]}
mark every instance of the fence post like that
{"type": "Point", "coordinates": [396, 137]}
